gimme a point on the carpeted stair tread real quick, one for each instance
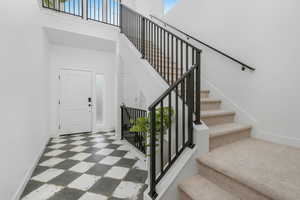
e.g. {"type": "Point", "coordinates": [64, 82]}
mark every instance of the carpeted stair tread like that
{"type": "Point", "coordinates": [215, 113]}
{"type": "Point", "coordinates": [271, 169]}
{"type": "Point", "coordinates": [228, 128]}
{"type": "Point", "coordinates": [199, 188]}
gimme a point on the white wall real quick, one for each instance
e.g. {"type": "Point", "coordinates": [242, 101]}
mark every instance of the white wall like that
{"type": "Point", "coordinates": [138, 77]}
{"type": "Point", "coordinates": [146, 7]}
{"type": "Point", "coordinates": [24, 94]}
{"type": "Point", "coordinates": [263, 34]}
{"type": "Point", "coordinates": [99, 62]}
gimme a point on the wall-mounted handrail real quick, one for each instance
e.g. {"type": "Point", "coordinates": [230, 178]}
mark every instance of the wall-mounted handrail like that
{"type": "Point", "coordinates": [244, 66]}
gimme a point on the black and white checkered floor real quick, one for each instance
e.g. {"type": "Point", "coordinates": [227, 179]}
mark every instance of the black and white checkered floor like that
{"type": "Point", "coordinates": [88, 167]}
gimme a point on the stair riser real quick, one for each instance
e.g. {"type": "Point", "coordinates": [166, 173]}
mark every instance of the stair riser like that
{"type": "Point", "coordinates": [210, 121]}
{"type": "Point", "coordinates": [210, 106]}
{"type": "Point", "coordinates": [222, 140]}
{"type": "Point", "coordinates": [204, 94]}
{"type": "Point", "coordinates": [230, 185]}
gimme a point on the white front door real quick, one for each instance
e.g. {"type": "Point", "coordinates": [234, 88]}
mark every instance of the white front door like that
{"type": "Point", "coordinates": [75, 101]}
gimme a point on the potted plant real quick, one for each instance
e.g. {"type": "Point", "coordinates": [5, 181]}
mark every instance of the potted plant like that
{"type": "Point", "coordinates": [142, 124]}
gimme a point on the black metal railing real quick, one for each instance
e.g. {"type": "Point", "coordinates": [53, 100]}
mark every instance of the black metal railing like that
{"type": "Point", "coordinates": [105, 11]}
{"type": "Point", "coordinates": [188, 36]}
{"type": "Point", "coordinates": [169, 55]}
{"type": "Point", "coordinates": [128, 117]}
{"type": "Point", "coordinates": [169, 139]}
{"type": "Point", "coordinates": [71, 7]}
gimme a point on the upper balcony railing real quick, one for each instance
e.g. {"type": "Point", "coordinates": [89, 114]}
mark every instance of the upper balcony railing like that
{"type": "Point", "coordinates": [72, 7]}
{"type": "Point", "coordinates": [105, 11]}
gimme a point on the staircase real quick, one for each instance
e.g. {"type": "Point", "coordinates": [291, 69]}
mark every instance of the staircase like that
{"type": "Point", "coordinates": [237, 166]}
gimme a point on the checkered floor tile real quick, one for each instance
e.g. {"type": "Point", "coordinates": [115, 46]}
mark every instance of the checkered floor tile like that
{"type": "Point", "coordinates": [87, 167]}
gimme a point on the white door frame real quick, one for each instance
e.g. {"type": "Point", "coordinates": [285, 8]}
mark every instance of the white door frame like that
{"type": "Point", "coordinates": [60, 96]}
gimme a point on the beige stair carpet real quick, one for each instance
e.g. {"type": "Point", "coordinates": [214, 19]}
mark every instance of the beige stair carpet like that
{"type": "Point", "coordinates": [271, 169]}
{"type": "Point", "coordinates": [199, 188]}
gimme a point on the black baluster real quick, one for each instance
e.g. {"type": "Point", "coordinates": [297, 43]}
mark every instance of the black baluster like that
{"type": "Point", "coordinates": [161, 136]}
{"type": "Point", "coordinates": [152, 192]}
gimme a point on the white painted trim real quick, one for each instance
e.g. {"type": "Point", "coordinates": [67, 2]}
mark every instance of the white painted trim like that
{"type": "Point", "coordinates": [264, 135]}
{"type": "Point", "coordinates": [29, 173]}
{"type": "Point", "coordinates": [172, 174]}
{"type": "Point", "coordinates": [108, 130]}
{"type": "Point", "coordinates": [245, 117]}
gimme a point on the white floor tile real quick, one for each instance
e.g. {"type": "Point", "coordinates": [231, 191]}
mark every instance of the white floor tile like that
{"type": "Point", "coordinates": [111, 134]}
{"type": "Point", "coordinates": [55, 152]}
{"type": "Point", "coordinates": [124, 148]}
{"type": "Point", "coordinates": [77, 138]}
{"type": "Point", "coordinates": [48, 175]}
{"type": "Point", "coordinates": [56, 146]}
{"type": "Point", "coordinates": [42, 193]}
{"type": "Point", "coordinates": [51, 162]}
{"type": "Point", "coordinates": [100, 145]}
{"type": "Point", "coordinates": [118, 142]}
{"type": "Point", "coordinates": [141, 164]}
{"type": "Point", "coordinates": [131, 155]}
{"type": "Point", "coordinates": [84, 182]}
{"type": "Point", "coordinates": [92, 196]}
{"type": "Point", "coordinates": [78, 142]}
{"type": "Point", "coordinates": [127, 190]}
{"type": "Point", "coordinates": [110, 160]}
{"type": "Point", "coordinates": [80, 156]}
{"type": "Point", "coordinates": [82, 167]}
{"type": "Point", "coordinates": [99, 139]}
{"type": "Point", "coordinates": [105, 152]}
{"type": "Point", "coordinates": [58, 140]}
{"type": "Point", "coordinates": [79, 148]}
{"type": "Point", "coordinates": [112, 138]}
{"type": "Point", "coordinates": [117, 172]}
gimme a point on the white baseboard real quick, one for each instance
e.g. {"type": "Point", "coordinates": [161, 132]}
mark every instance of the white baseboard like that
{"type": "Point", "coordinates": [29, 173]}
{"type": "Point", "coordinates": [245, 117]}
{"type": "Point", "coordinates": [263, 135]}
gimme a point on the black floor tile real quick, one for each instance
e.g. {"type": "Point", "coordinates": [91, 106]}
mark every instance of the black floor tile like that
{"type": "Point", "coordinates": [66, 164]}
{"type": "Point", "coordinates": [137, 176]}
{"type": "Point", "coordinates": [124, 162]}
{"type": "Point", "coordinates": [105, 186]}
{"type": "Point", "coordinates": [67, 154]}
{"type": "Point", "coordinates": [65, 178]}
{"type": "Point", "coordinates": [118, 153]}
{"type": "Point", "coordinates": [98, 170]}
{"type": "Point", "coordinates": [67, 194]}
{"type": "Point", "coordinates": [94, 158]}
{"type": "Point", "coordinates": [31, 186]}
{"type": "Point", "coordinates": [39, 169]}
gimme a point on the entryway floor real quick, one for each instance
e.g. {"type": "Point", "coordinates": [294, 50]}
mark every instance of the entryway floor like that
{"type": "Point", "coordinates": [88, 167]}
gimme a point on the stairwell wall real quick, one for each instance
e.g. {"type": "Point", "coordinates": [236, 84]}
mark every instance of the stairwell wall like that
{"type": "Point", "coordinates": [263, 34]}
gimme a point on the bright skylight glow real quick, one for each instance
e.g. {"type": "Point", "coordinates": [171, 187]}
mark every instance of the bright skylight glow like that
{"type": "Point", "coordinates": [169, 4]}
